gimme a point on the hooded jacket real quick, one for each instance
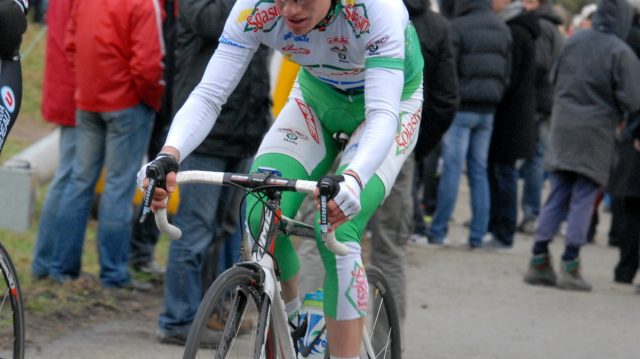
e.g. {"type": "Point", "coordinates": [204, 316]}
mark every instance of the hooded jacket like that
{"type": "Point", "coordinates": [548, 47]}
{"type": "Point", "coordinates": [597, 80]}
{"type": "Point", "coordinates": [514, 127]}
{"type": "Point", "coordinates": [440, 76]}
{"type": "Point", "coordinates": [246, 115]}
{"type": "Point", "coordinates": [116, 50]}
{"type": "Point", "coordinates": [482, 48]}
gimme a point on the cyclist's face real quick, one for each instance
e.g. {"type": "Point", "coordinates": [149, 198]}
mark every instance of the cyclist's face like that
{"type": "Point", "coordinates": [303, 15]}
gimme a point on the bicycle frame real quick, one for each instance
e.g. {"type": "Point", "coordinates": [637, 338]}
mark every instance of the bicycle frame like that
{"type": "Point", "coordinates": [262, 252]}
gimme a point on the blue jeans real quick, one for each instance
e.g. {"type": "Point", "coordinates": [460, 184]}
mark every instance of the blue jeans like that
{"type": "Point", "coordinates": [467, 138]}
{"type": "Point", "coordinates": [198, 219]}
{"type": "Point", "coordinates": [533, 175]}
{"type": "Point", "coordinates": [503, 181]}
{"type": "Point", "coordinates": [117, 140]}
{"type": "Point", "coordinates": [43, 253]}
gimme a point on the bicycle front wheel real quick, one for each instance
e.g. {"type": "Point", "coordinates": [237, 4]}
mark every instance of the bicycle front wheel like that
{"type": "Point", "coordinates": [11, 312]}
{"type": "Point", "coordinates": [382, 322]}
{"type": "Point", "coordinates": [235, 312]}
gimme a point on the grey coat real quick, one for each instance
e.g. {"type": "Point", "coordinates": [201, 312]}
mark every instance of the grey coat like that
{"type": "Point", "coordinates": [597, 80]}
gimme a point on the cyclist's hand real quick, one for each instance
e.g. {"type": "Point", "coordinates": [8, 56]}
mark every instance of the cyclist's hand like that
{"type": "Point", "coordinates": [346, 203]}
{"type": "Point", "coordinates": [163, 169]}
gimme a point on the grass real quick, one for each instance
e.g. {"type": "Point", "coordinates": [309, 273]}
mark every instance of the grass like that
{"type": "Point", "coordinates": [44, 297]}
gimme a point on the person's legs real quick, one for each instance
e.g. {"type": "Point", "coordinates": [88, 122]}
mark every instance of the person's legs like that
{"type": "Point", "coordinates": [455, 144]}
{"type": "Point", "coordinates": [431, 180]}
{"type": "Point", "coordinates": [533, 176]}
{"type": "Point", "coordinates": [390, 228]}
{"type": "Point", "coordinates": [43, 251]}
{"type": "Point", "coordinates": [196, 217]}
{"type": "Point", "coordinates": [628, 240]}
{"type": "Point", "coordinates": [556, 207]}
{"type": "Point", "coordinates": [127, 137]}
{"type": "Point", "coordinates": [583, 196]}
{"type": "Point", "coordinates": [77, 199]}
{"type": "Point", "coordinates": [477, 155]}
{"type": "Point", "coordinates": [503, 182]}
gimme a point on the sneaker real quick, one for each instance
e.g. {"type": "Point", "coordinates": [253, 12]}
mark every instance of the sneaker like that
{"type": "Point", "coordinates": [418, 240]}
{"type": "Point", "coordinates": [527, 226]}
{"type": "Point", "coordinates": [152, 268]}
{"type": "Point", "coordinates": [570, 277]}
{"type": "Point", "coordinates": [210, 341]}
{"type": "Point", "coordinates": [133, 285]}
{"type": "Point", "coordinates": [494, 244]}
{"type": "Point", "coordinates": [540, 271]}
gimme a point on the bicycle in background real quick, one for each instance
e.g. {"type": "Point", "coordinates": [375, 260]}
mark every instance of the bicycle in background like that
{"type": "Point", "coordinates": [11, 310]}
{"type": "Point", "coordinates": [246, 298]}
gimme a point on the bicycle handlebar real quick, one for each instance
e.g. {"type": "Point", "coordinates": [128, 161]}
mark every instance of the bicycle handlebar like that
{"type": "Point", "coordinates": [250, 181]}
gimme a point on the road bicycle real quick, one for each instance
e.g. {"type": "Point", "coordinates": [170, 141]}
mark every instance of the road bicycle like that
{"type": "Point", "coordinates": [246, 298]}
{"type": "Point", "coordinates": [11, 311]}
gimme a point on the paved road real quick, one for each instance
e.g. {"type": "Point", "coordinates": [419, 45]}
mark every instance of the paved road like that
{"type": "Point", "coordinates": [462, 304]}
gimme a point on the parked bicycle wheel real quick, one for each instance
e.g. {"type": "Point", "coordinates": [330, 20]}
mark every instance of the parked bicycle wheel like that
{"type": "Point", "coordinates": [11, 312]}
{"type": "Point", "coordinates": [233, 306]}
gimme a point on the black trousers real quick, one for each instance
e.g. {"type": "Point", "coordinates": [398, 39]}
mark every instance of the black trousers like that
{"type": "Point", "coordinates": [627, 216]}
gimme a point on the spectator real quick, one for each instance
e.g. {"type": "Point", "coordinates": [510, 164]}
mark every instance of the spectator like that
{"type": "Point", "coordinates": [548, 47]}
{"type": "Point", "coordinates": [590, 98]}
{"type": "Point", "coordinates": [624, 187]}
{"type": "Point", "coordinates": [391, 226]}
{"type": "Point", "coordinates": [58, 106]}
{"type": "Point", "coordinates": [233, 139]}
{"type": "Point", "coordinates": [514, 127]}
{"type": "Point", "coordinates": [115, 47]}
{"type": "Point", "coordinates": [145, 235]}
{"type": "Point", "coordinates": [441, 101]}
{"type": "Point", "coordinates": [482, 46]}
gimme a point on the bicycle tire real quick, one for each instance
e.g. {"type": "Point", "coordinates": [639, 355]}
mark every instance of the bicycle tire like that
{"type": "Point", "coordinates": [243, 285]}
{"type": "Point", "coordinates": [380, 291]}
{"type": "Point", "coordinates": [389, 326]}
{"type": "Point", "coordinates": [10, 291]}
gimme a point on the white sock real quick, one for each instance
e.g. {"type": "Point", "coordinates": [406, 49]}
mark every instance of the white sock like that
{"type": "Point", "coordinates": [293, 308]}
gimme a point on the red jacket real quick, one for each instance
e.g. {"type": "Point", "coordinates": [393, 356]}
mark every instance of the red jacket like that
{"type": "Point", "coordinates": [116, 48]}
{"type": "Point", "coordinates": [59, 84]}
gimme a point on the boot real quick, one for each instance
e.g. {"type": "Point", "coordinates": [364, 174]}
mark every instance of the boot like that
{"type": "Point", "coordinates": [540, 271]}
{"type": "Point", "coordinates": [570, 277]}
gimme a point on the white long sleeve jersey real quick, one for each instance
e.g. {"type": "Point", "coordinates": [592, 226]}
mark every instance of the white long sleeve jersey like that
{"type": "Point", "coordinates": [362, 44]}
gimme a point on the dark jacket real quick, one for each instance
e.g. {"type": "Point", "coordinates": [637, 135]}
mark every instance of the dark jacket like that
{"type": "Point", "coordinates": [514, 126]}
{"type": "Point", "coordinates": [625, 174]}
{"type": "Point", "coordinates": [596, 81]}
{"type": "Point", "coordinates": [245, 117]}
{"type": "Point", "coordinates": [548, 47]}
{"type": "Point", "coordinates": [482, 47]}
{"type": "Point", "coordinates": [440, 77]}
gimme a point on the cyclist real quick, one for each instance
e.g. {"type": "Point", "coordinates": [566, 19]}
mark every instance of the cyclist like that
{"type": "Point", "coordinates": [13, 23]}
{"type": "Point", "coordinates": [361, 74]}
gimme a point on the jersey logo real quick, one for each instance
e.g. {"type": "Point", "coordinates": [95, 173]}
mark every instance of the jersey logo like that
{"type": "Point", "coordinates": [358, 291]}
{"type": "Point", "coordinates": [374, 46]}
{"type": "Point", "coordinates": [292, 49]}
{"type": "Point", "coordinates": [407, 130]}
{"type": "Point", "coordinates": [262, 19]}
{"type": "Point", "coordinates": [307, 113]}
{"type": "Point", "coordinates": [356, 16]}
{"type": "Point", "coordinates": [338, 40]}
{"type": "Point", "coordinates": [8, 98]}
